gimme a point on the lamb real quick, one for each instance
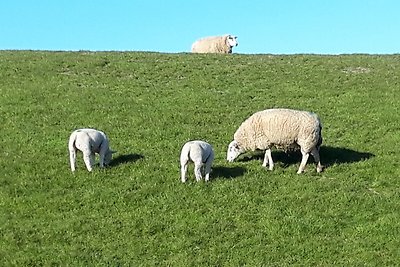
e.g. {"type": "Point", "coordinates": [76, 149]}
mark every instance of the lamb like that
{"type": "Point", "coordinates": [201, 154]}
{"type": "Point", "coordinates": [285, 129]}
{"type": "Point", "coordinates": [89, 141]}
{"type": "Point", "coordinates": [215, 44]}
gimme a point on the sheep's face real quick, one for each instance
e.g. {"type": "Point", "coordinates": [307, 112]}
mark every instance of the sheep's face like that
{"type": "Point", "coordinates": [233, 151]}
{"type": "Point", "coordinates": [231, 40]}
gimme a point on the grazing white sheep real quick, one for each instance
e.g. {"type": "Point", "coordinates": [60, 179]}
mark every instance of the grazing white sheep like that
{"type": "Point", "coordinates": [89, 141]}
{"type": "Point", "coordinates": [201, 154]}
{"type": "Point", "coordinates": [215, 44]}
{"type": "Point", "coordinates": [285, 129]}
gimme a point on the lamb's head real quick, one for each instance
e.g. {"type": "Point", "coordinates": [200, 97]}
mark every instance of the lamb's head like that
{"type": "Point", "coordinates": [108, 156]}
{"type": "Point", "coordinates": [231, 40]}
{"type": "Point", "coordinates": [234, 150]}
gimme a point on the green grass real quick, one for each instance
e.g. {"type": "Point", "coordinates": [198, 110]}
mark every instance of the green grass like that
{"type": "Point", "coordinates": [138, 213]}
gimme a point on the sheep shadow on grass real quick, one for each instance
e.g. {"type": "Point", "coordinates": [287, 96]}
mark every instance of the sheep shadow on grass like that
{"type": "Point", "coordinates": [329, 156]}
{"type": "Point", "coordinates": [338, 155]}
{"type": "Point", "coordinates": [124, 159]}
{"type": "Point", "coordinates": [227, 172]}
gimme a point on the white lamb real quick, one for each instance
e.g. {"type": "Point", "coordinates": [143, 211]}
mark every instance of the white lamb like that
{"type": "Point", "coordinates": [215, 44]}
{"type": "Point", "coordinates": [201, 154]}
{"type": "Point", "coordinates": [281, 128]}
{"type": "Point", "coordinates": [89, 141]}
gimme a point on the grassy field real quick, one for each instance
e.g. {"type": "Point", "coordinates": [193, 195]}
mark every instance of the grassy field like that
{"type": "Point", "coordinates": [137, 212]}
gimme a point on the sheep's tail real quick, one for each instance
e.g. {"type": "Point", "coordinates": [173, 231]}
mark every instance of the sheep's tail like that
{"type": "Point", "coordinates": [71, 142]}
{"type": "Point", "coordinates": [185, 154]}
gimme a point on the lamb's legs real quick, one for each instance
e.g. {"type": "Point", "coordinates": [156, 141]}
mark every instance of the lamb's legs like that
{"type": "Point", "coordinates": [101, 163]}
{"type": "Point", "coordinates": [197, 171]}
{"type": "Point", "coordinates": [268, 157]}
{"type": "Point", "coordinates": [207, 171]}
{"type": "Point", "coordinates": [315, 154]}
{"type": "Point", "coordinates": [72, 159]}
{"type": "Point", "coordinates": [303, 161]}
{"type": "Point", "coordinates": [208, 164]}
{"type": "Point", "coordinates": [88, 158]}
{"type": "Point", "coordinates": [183, 172]}
{"type": "Point", "coordinates": [103, 151]}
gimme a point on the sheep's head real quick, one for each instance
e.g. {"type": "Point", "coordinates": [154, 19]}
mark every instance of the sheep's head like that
{"type": "Point", "coordinates": [108, 156]}
{"type": "Point", "coordinates": [234, 150]}
{"type": "Point", "coordinates": [231, 40]}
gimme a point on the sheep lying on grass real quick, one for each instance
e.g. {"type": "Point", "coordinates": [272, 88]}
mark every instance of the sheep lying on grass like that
{"type": "Point", "coordinates": [89, 141]}
{"type": "Point", "coordinates": [201, 154]}
{"type": "Point", "coordinates": [281, 128]}
{"type": "Point", "coordinates": [215, 44]}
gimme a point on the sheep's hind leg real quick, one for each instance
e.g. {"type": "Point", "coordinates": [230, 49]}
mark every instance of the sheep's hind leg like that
{"type": "Point", "coordinates": [317, 159]}
{"type": "Point", "coordinates": [197, 171]}
{"type": "Point", "coordinates": [303, 161]}
{"type": "Point", "coordinates": [88, 158]}
{"type": "Point", "coordinates": [184, 167]}
{"type": "Point", "coordinates": [207, 171]}
{"type": "Point", "coordinates": [268, 160]}
{"type": "Point", "coordinates": [208, 164]}
{"type": "Point", "coordinates": [72, 159]}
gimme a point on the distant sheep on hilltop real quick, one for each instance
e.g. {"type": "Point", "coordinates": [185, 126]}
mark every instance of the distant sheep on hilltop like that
{"type": "Point", "coordinates": [215, 44]}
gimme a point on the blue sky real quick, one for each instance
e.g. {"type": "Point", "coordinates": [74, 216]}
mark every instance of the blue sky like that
{"type": "Point", "coordinates": [262, 26]}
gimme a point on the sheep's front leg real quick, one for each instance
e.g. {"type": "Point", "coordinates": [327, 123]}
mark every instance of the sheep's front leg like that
{"type": "Point", "coordinates": [303, 161]}
{"type": "Point", "coordinates": [268, 160]}
{"type": "Point", "coordinates": [88, 158]}
{"type": "Point", "coordinates": [197, 171]}
{"type": "Point", "coordinates": [315, 154]}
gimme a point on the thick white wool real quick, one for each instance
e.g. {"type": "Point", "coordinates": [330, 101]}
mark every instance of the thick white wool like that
{"type": "Point", "coordinates": [285, 129]}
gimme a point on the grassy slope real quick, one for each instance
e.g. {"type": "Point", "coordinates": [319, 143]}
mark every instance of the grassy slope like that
{"type": "Point", "coordinates": [137, 212]}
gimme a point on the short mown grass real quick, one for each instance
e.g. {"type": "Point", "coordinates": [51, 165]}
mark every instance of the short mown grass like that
{"type": "Point", "coordinates": [137, 212]}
